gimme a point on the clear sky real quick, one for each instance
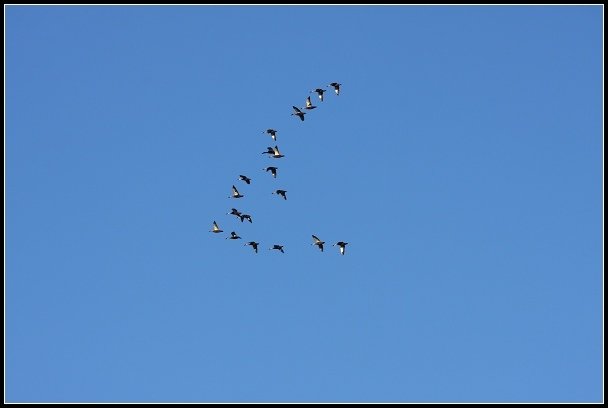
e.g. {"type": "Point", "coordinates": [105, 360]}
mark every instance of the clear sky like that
{"type": "Point", "coordinates": [462, 162]}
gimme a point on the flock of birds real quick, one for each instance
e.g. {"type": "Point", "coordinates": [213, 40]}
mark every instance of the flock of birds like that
{"type": "Point", "coordinates": [275, 153]}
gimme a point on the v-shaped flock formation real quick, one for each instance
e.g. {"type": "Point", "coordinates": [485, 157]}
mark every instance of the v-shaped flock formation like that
{"type": "Point", "coordinates": [275, 153]}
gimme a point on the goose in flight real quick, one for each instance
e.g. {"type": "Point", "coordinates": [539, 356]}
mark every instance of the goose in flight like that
{"type": "Point", "coordinates": [233, 236]}
{"type": "Point", "coordinates": [272, 170]}
{"type": "Point", "coordinates": [235, 193]}
{"type": "Point", "coordinates": [216, 229]}
{"type": "Point", "coordinates": [272, 133]}
{"type": "Point", "coordinates": [234, 211]}
{"type": "Point", "coordinates": [279, 247]}
{"type": "Point", "coordinates": [281, 193]}
{"type": "Point", "coordinates": [254, 245]}
{"type": "Point", "coordinates": [298, 112]}
{"type": "Point", "coordinates": [309, 104]}
{"type": "Point", "coordinates": [342, 246]}
{"type": "Point", "coordinates": [317, 242]}
{"type": "Point", "coordinates": [276, 154]}
{"type": "Point", "coordinates": [336, 87]}
{"type": "Point", "coordinates": [319, 92]}
{"type": "Point", "coordinates": [245, 179]}
{"type": "Point", "coordinates": [273, 152]}
{"type": "Point", "coordinates": [246, 217]}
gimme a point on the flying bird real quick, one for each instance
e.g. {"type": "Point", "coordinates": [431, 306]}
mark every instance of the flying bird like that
{"type": "Point", "coordinates": [281, 193]}
{"type": "Point", "coordinates": [246, 217]}
{"type": "Point", "coordinates": [336, 87]}
{"type": "Point", "coordinates": [276, 154]}
{"type": "Point", "coordinates": [272, 133]}
{"type": "Point", "coordinates": [279, 247]}
{"type": "Point", "coordinates": [272, 170]}
{"type": "Point", "coordinates": [245, 179]}
{"type": "Point", "coordinates": [234, 211]}
{"type": "Point", "coordinates": [273, 152]}
{"type": "Point", "coordinates": [309, 104]}
{"type": "Point", "coordinates": [216, 229]}
{"type": "Point", "coordinates": [317, 242]}
{"type": "Point", "coordinates": [342, 246]}
{"type": "Point", "coordinates": [254, 245]}
{"type": "Point", "coordinates": [298, 112]}
{"type": "Point", "coordinates": [319, 92]}
{"type": "Point", "coordinates": [233, 236]}
{"type": "Point", "coordinates": [235, 193]}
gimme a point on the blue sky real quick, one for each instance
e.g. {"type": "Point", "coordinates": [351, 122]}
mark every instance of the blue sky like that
{"type": "Point", "coordinates": [462, 162]}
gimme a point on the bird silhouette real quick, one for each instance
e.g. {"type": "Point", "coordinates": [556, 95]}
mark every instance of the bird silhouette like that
{"type": "Point", "coordinates": [342, 246]}
{"type": "Point", "coordinates": [254, 245]}
{"type": "Point", "coordinates": [216, 229]}
{"type": "Point", "coordinates": [272, 133]}
{"type": "Point", "coordinates": [246, 217]}
{"type": "Point", "coordinates": [317, 242]}
{"type": "Point", "coordinates": [276, 154]}
{"type": "Point", "coordinates": [281, 193]}
{"type": "Point", "coordinates": [319, 92]}
{"type": "Point", "coordinates": [272, 170]}
{"type": "Point", "coordinates": [234, 211]}
{"type": "Point", "coordinates": [245, 179]}
{"type": "Point", "coordinates": [273, 152]}
{"type": "Point", "coordinates": [233, 236]}
{"type": "Point", "coordinates": [298, 112]}
{"type": "Point", "coordinates": [278, 247]}
{"type": "Point", "coordinates": [235, 193]}
{"type": "Point", "coordinates": [309, 104]}
{"type": "Point", "coordinates": [336, 87]}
